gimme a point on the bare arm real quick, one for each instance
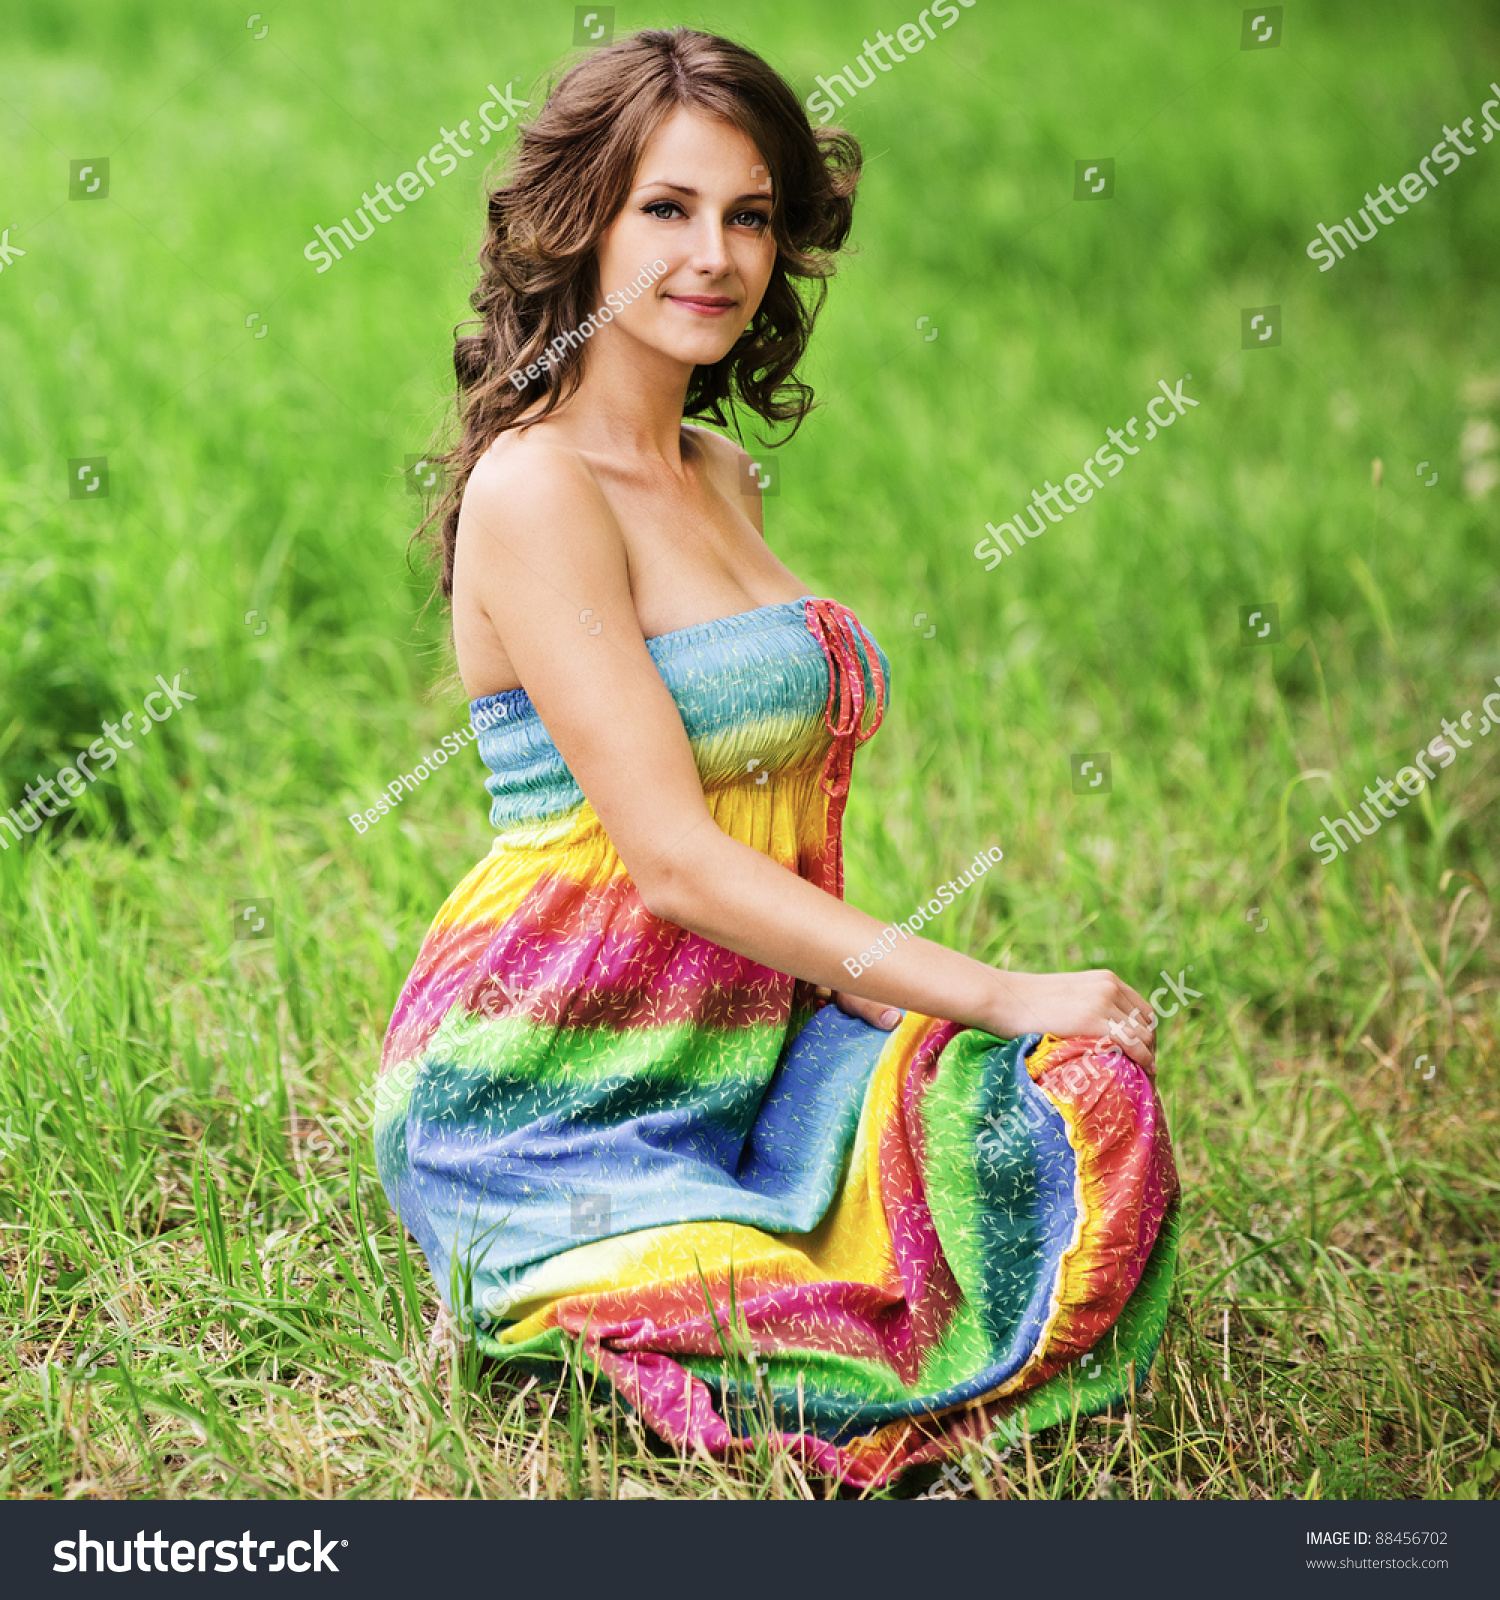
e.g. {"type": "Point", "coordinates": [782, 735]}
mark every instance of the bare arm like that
{"type": "Point", "coordinates": [540, 543]}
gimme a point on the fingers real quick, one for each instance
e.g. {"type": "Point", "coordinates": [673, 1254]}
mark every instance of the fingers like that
{"type": "Point", "coordinates": [1143, 1055]}
{"type": "Point", "coordinates": [1138, 1040]}
{"type": "Point", "coordinates": [1135, 1029]}
{"type": "Point", "coordinates": [1129, 1011]}
{"type": "Point", "coordinates": [871, 1011]}
{"type": "Point", "coordinates": [1131, 1001]}
{"type": "Point", "coordinates": [1141, 1048]}
{"type": "Point", "coordinates": [1135, 1049]}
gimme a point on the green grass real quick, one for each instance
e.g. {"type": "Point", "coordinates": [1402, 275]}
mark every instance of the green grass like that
{"type": "Point", "coordinates": [197, 1298]}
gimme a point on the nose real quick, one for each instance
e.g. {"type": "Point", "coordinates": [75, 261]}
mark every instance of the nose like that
{"type": "Point", "coordinates": [710, 256]}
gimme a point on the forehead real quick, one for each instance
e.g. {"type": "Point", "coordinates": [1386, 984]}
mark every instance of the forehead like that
{"type": "Point", "coordinates": [694, 150]}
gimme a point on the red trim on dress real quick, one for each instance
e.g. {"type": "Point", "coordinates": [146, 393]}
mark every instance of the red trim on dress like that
{"type": "Point", "coordinates": [838, 631]}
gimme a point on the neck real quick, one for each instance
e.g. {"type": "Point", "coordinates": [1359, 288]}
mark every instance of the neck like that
{"type": "Point", "coordinates": [629, 402]}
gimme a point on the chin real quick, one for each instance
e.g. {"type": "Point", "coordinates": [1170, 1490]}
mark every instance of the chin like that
{"type": "Point", "coordinates": [698, 352]}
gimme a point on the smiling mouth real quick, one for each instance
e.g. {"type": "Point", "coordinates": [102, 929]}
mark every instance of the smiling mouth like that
{"type": "Point", "coordinates": [704, 305]}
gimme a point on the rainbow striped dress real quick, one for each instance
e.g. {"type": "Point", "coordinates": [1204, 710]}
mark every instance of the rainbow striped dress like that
{"type": "Point", "coordinates": [761, 1220]}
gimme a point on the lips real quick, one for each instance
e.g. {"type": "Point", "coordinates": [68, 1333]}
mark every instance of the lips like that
{"type": "Point", "coordinates": [702, 302]}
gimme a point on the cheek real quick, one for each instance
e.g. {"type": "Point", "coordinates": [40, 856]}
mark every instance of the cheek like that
{"type": "Point", "coordinates": [756, 267]}
{"type": "Point", "coordinates": [621, 252]}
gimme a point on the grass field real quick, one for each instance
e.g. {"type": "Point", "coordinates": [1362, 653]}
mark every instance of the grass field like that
{"type": "Point", "coordinates": [197, 1299]}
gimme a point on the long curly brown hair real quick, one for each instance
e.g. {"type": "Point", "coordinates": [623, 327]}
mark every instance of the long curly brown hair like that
{"type": "Point", "coordinates": [569, 174]}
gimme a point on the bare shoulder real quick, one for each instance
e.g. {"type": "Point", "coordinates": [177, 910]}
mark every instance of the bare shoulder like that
{"type": "Point", "coordinates": [723, 455]}
{"type": "Point", "coordinates": [535, 504]}
{"type": "Point", "coordinates": [729, 466]}
{"type": "Point", "coordinates": [532, 479]}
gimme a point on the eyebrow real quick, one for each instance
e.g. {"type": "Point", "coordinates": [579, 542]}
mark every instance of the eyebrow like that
{"type": "Point", "coordinates": [682, 188]}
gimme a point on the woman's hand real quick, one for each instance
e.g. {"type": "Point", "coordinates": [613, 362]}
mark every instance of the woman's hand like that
{"type": "Point", "coordinates": [1073, 1005]}
{"type": "Point", "coordinates": [1084, 1005]}
{"type": "Point", "coordinates": [871, 1011]}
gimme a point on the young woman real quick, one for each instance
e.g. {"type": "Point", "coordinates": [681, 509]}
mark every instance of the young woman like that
{"type": "Point", "coordinates": [619, 1104]}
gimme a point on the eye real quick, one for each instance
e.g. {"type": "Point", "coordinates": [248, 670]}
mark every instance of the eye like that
{"type": "Point", "coordinates": [760, 220]}
{"type": "Point", "coordinates": [651, 207]}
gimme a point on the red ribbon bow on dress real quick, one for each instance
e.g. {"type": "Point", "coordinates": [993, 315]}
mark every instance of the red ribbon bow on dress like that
{"type": "Point", "coordinates": [838, 632]}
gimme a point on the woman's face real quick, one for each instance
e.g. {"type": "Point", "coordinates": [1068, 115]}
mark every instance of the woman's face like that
{"type": "Point", "coordinates": [700, 201]}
